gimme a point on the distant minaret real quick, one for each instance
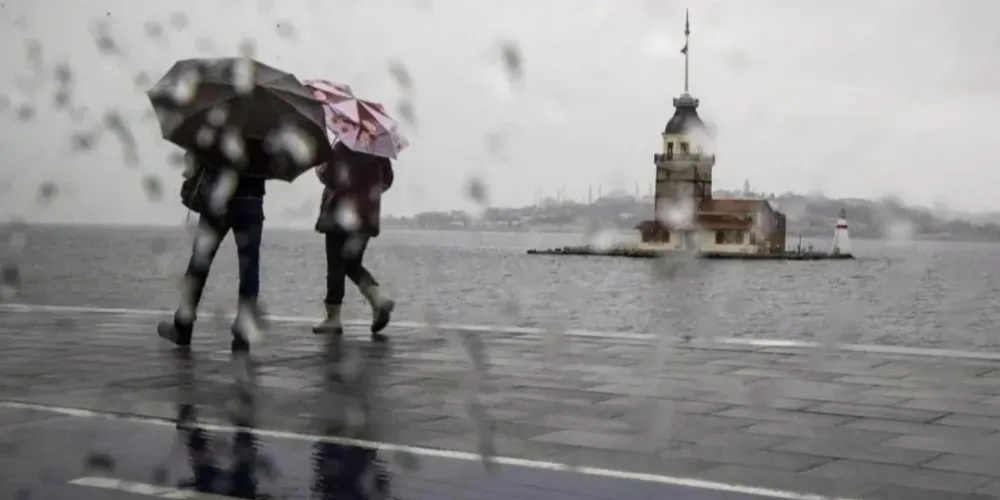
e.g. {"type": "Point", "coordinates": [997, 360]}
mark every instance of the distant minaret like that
{"type": "Point", "coordinates": [841, 238]}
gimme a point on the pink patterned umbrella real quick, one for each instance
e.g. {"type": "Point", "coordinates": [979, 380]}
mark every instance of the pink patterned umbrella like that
{"type": "Point", "coordinates": [361, 125]}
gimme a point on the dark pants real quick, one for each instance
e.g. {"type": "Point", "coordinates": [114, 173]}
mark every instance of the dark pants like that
{"type": "Point", "coordinates": [344, 253]}
{"type": "Point", "coordinates": [245, 218]}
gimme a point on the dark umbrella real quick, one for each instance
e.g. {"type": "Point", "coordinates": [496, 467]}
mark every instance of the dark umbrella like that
{"type": "Point", "coordinates": [218, 106]}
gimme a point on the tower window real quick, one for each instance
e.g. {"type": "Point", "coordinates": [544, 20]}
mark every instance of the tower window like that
{"type": "Point", "coordinates": [670, 150]}
{"type": "Point", "coordinates": [685, 149]}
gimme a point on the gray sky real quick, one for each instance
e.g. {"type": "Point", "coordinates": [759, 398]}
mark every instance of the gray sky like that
{"type": "Point", "coordinates": [851, 98]}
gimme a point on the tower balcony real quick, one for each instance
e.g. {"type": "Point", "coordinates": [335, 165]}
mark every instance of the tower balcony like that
{"type": "Point", "coordinates": [658, 157]}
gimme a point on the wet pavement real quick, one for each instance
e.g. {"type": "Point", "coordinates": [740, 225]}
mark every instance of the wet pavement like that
{"type": "Point", "coordinates": [92, 405]}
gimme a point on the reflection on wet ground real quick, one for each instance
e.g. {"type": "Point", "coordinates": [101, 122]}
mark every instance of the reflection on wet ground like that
{"type": "Point", "coordinates": [90, 396]}
{"type": "Point", "coordinates": [86, 455]}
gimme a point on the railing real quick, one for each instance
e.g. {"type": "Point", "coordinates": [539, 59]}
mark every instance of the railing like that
{"type": "Point", "coordinates": [677, 156]}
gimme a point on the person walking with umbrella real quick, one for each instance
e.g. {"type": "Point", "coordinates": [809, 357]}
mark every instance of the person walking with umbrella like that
{"type": "Point", "coordinates": [349, 217]}
{"type": "Point", "coordinates": [241, 123]}
{"type": "Point", "coordinates": [355, 175]}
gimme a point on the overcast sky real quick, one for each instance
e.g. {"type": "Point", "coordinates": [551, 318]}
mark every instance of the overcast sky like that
{"type": "Point", "coordinates": [858, 98]}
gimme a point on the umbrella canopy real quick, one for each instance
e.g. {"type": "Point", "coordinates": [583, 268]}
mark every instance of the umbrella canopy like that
{"type": "Point", "coordinates": [361, 125]}
{"type": "Point", "coordinates": [222, 104]}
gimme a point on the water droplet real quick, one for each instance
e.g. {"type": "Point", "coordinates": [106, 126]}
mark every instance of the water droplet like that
{"type": "Point", "coordinates": [222, 191]}
{"type": "Point", "coordinates": [17, 242]}
{"type": "Point", "coordinates": [154, 30]}
{"type": "Point", "coordinates": [10, 281]}
{"type": "Point", "coordinates": [406, 112]}
{"type": "Point", "coordinates": [284, 29]}
{"type": "Point", "coordinates": [677, 214]}
{"type": "Point", "coordinates": [176, 159]}
{"type": "Point", "coordinates": [100, 462]}
{"type": "Point", "coordinates": [401, 75]}
{"type": "Point", "coordinates": [48, 191]}
{"type": "Point", "coordinates": [293, 140]}
{"type": "Point", "coordinates": [205, 137]}
{"type": "Point", "coordinates": [160, 476]}
{"type": "Point", "coordinates": [61, 99]}
{"type": "Point", "coordinates": [232, 146]}
{"type": "Point", "coordinates": [184, 88]}
{"type": "Point", "coordinates": [82, 141]}
{"type": "Point", "coordinates": [511, 57]}
{"type": "Point", "coordinates": [476, 190]}
{"type": "Point", "coordinates": [153, 187]}
{"type": "Point", "coordinates": [407, 460]}
{"type": "Point", "coordinates": [25, 113]}
{"type": "Point", "coordinates": [244, 76]}
{"type": "Point", "coordinates": [63, 74]}
{"type": "Point", "coordinates": [178, 20]}
{"type": "Point", "coordinates": [248, 47]}
{"type": "Point", "coordinates": [346, 215]}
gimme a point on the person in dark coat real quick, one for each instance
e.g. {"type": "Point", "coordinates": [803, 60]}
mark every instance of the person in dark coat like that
{"type": "Point", "coordinates": [228, 199]}
{"type": "Point", "coordinates": [349, 217]}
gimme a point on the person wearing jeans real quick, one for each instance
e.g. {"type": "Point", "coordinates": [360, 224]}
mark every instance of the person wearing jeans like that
{"type": "Point", "coordinates": [349, 217]}
{"type": "Point", "coordinates": [243, 215]}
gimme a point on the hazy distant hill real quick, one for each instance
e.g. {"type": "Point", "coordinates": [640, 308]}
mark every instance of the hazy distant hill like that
{"type": "Point", "coordinates": [807, 216]}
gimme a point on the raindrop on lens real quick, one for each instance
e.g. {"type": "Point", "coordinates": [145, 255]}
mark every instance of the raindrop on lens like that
{"type": "Point", "coordinates": [10, 281]}
{"type": "Point", "coordinates": [17, 241]}
{"type": "Point", "coordinates": [153, 187]}
{"type": "Point", "coordinates": [184, 88]}
{"type": "Point", "coordinates": [223, 190]}
{"type": "Point", "coordinates": [476, 190]}
{"type": "Point", "coordinates": [233, 147]}
{"type": "Point", "coordinates": [205, 137]}
{"type": "Point", "coordinates": [217, 116]}
{"type": "Point", "coordinates": [243, 76]}
{"type": "Point", "coordinates": [347, 216]}
{"type": "Point", "coordinates": [297, 143]}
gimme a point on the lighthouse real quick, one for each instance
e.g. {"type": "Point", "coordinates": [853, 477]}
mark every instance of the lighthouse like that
{"type": "Point", "coordinates": [841, 238]}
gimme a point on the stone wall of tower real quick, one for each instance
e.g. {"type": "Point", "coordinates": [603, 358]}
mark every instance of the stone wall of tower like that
{"type": "Point", "coordinates": [683, 175]}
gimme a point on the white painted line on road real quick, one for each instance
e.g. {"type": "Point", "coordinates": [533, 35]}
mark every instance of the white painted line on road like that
{"type": "Point", "coordinates": [534, 331]}
{"type": "Point", "coordinates": [149, 490]}
{"type": "Point", "coordinates": [436, 453]}
{"type": "Point", "coordinates": [521, 330]}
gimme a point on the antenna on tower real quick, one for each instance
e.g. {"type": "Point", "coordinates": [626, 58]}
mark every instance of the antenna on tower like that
{"type": "Point", "coordinates": [687, 40]}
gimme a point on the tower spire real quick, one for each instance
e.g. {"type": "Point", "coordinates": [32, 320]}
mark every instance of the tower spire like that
{"type": "Point", "coordinates": [687, 39]}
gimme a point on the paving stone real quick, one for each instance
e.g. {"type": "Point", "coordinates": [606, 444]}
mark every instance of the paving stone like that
{"type": "Point", "coordinates": [963, 463]}
{"type": "Point", "coordinates": [678, 405]}
{"type": "Point", "coordinates": [727, 414]}
{"type": "Point", "coordinates": [992, 490]}
{"type": "Point", "coordinates": [754, 458]}
{"type": "Point", "coordinates": [746, 399]}
{"type": "Point", "coordinates": [898, 492]}
{"type": "Point", "coordinates": [736, 439]}
{"type": "Point", "coordinates": [834, 433]}
{"type": "Point", "coordinates": [855, 451]}
{"type": "Point", "coordinates": [929, 430]}
{"type": "Point", "coordinates": [968, 408]}
{"type": "Point", "coordinates": [788, 481]}
{"type": "Point", "coordinates": [985, 447]}
{"type": "Point", "coordinates": [906, 393]}
{"type": "Point", "coordinates": [905, 414]}
{"type": "Point", "coordinates": [906, 476]}
{"type": "Point", "coordinates": [974, 421]}
{"type": "Point", "coordinates": [587, 439]}
{"type": "Point", "coordinates": [758, 413]}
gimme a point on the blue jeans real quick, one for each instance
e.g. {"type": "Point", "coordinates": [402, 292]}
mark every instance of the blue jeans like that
{"type": "Point", "coordinates": [245, 218]}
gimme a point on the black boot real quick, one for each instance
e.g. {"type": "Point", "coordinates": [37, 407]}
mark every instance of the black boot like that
{"type": "Point", "coordinates": [176, 332]}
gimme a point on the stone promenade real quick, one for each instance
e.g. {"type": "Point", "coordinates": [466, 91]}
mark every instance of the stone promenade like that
{"type": "Point", "coordinates": [850, 423]}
